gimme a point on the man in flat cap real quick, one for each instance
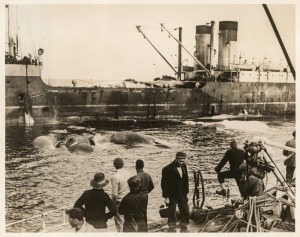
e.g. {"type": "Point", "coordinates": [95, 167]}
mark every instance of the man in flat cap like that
{"type": "Point", "coordinates": [119, 188]}
{"type": "Point", "coordinates": [175, 188]}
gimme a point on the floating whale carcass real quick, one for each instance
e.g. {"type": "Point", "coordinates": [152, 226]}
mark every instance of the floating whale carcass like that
{"type": "Point", "coordinates": [232, 124]}
{"type": "Point", "coordinates": [133, 138]}
{"type": "Point", "coordinates": [44, 142]}
{"type": "Point", "coordinates": [76, 143]}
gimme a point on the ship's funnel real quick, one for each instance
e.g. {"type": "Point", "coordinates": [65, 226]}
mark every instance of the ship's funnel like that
{"type": "Point", "coordinates": [227, 44]}
{"type": "Point", "coordinates": [202, 36]}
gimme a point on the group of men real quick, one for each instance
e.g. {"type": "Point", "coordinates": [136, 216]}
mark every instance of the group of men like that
{"type": "Point", "coordinates": [129, 197]}
{"type": "Point", "coordinates": [127, 204]}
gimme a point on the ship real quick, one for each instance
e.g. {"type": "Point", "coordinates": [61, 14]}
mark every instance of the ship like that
{"type": "Point", "coordinates": [230, 87]}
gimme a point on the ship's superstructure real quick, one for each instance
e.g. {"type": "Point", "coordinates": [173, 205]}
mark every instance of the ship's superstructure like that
{"type": "Point", "coordinates": [232, 87]}
{"type": "Point", "coordinates": [230, 65]}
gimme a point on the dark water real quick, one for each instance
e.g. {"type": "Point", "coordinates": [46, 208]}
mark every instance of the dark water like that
{"type": "Point", "coordinates": [40, 181]}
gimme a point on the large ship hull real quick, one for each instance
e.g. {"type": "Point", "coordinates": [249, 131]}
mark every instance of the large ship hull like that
{"type": "Point", "coordinates": [30, 96]}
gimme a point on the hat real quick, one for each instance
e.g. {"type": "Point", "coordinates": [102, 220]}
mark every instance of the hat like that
{"type": "Point", "coordinates": [134, 182]}
{"type": "Point", "coordinates": [181, 154]}
{"type": "Point", "coordinates": [118, 163]}
{"type": "Point", "coordinates": [99, 181]}
{"type": "Point", "coordinates": [75, 213]}
{"type": "Point", "coordinates": [233, 144]}
{"type": "Point", "coordinates": [139, 164]}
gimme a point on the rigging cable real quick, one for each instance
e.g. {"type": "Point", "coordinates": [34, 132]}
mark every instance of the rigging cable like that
{"type": "Point", "coordinates": [33, 45]}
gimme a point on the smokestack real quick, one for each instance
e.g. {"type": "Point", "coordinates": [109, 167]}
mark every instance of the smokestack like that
{"type": "Point", "coordinates": [227, 43]}
{"type": "Point", "coordinates": [203, 39]}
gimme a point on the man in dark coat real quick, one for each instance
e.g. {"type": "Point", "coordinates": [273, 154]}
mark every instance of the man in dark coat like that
{"type": "Point", "coordinates": [146, 181]}
{"type": "Point", "coordinates": [175, 188]}
{"type": "Point", "coordinates": [95, 202]}
{"type": "Point", "coordinates": [134, 207]}
{"type": "Point", "coordinates": [290, 161]}
{"type": "Point", "coordinates": [235, 157]}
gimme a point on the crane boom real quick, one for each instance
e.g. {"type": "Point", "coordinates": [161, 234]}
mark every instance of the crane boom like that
{"type": "Point", "coordinates": [140, 31]}
{"type": "Point", "coordinates": [162, 25]}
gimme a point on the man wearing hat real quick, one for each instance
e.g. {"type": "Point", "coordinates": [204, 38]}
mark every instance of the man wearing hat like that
{"type": "Point", "coordinates": [235, 157]}
{"type": "Point", "coordinates": [175, 188]}
{"type": "Point", "coordinates": [290, 161]}
{"type": "Point", "coordinates": [76, 220]}
{"type": "Point", "coordinates": [134, 207]}
{"type": "Point", "coordinates": [119, 188]}
{"type": "Point", "coordinates": [95, 202]}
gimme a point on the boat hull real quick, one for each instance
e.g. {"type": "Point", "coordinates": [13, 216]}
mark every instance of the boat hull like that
{"type": "Point", "coordinates": [29, 95]}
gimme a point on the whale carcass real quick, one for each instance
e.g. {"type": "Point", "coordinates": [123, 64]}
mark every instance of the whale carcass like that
{"type": "Point", "coordinates": [76, 143]}
{"type": "Point", "coordinates": [44, 142]}
{"type": "Point", "coordinates": [133, 138]}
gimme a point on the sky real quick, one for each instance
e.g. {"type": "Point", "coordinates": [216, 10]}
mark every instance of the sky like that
{"type": "Point", "coordinates": [99, 41]}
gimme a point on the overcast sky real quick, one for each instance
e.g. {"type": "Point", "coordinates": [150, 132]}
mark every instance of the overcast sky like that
{"type": "Point", "coordinates": [100, 41]}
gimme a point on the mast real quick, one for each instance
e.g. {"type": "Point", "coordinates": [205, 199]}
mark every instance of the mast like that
{"type": "Point", "coordinates": [179, 53]}
{"type": "Point", "coordinates": [280, 40]}
{"type": "Point", "coordinates": [162, 25]}
{"type": "Point", "coordinates": [12, 32]}
{"type": "Point", "coordinates": [8, 31]}
{"type": "Point", "coordinates": [140, 31]}
{"type": "Point", "coordinates": [211, 46]}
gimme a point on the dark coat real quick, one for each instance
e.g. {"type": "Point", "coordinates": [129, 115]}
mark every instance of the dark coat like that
{"type": "Point", "coordinates": [146, 181]}
{"type": "Point", "coordinates": [291, 161]}
{"type": "Point", "coordinates": [172, 184]}
{"type": "Point", "coordinates": [134, 208]}
{"type": "Point", "coordinates": [95, 202]}
{"type": "Point", "coordinates": [235, 157]}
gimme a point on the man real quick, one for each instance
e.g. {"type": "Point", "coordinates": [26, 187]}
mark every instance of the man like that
{"type": "Point", "coordinates": [95, 202]}
{"type": "Point", "coordinates": [235, 157]}
{"type": "Point", "coordinates": [175, 188]}
{"type": "Point", "coordinates": [146, 181]}
{"type": "Point", "coordinates": [76, 220]}
{"type": "Point", "coordinates": [119, 190]}
{"type": "Point", "coordinates": [290, 161]}
{"type": "Point", "coordinates": [134, 207]}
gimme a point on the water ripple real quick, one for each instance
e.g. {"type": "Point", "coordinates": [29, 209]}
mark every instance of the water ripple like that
{"type": "Point", "coordinates": [37, 182]}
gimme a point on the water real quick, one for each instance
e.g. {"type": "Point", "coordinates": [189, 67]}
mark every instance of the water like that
{"type": "Point", "coordinates": [39, 181]}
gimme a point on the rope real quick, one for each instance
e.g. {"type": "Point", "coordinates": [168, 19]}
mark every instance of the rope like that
{"type": "Point", "coordinates": [33, 45]}
{"type": "Point", "coordinates": [208, 222]}
{"type": "Point", "coordinates": [265, 150]}
{"type": "Point", "coordinates": [250, 214]}
{"type": "Point", "coordinates": [225, 227]}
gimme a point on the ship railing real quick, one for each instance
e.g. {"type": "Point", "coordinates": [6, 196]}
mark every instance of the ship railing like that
{"type": "Point", "coordinates": [44, 216]}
